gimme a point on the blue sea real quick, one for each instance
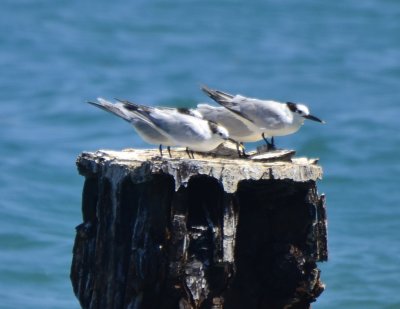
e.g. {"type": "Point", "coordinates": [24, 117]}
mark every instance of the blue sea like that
{"type": "Point", "coordinates": [341, 58]}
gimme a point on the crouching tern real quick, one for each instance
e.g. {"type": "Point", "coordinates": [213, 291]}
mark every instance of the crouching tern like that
{"type": "Point", "coordinates": [169, 126]}
{"type": "Point", "coordinates": [255, 119]}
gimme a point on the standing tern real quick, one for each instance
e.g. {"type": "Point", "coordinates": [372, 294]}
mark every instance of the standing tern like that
{"type": "Point", "coordinates": [183, 128]}
{"type": "Point", "coordinates": [262, 118]}
{"type": "Point", "coordinates": [144, 129]}
{"type": "Point", "coordinates": [169, 126]}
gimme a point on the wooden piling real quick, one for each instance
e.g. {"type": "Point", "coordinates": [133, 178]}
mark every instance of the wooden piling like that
{"type": "Point", "coordinates": [198, 233]}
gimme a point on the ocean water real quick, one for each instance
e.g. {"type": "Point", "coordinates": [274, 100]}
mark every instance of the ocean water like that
{"type": "Point", "coordinates": [342, 58]}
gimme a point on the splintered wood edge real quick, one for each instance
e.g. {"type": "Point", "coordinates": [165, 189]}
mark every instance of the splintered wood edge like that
{"type": "Point", "coordinates": [275, 155]}
{"type": "Point", "coordinates": [141, 164]}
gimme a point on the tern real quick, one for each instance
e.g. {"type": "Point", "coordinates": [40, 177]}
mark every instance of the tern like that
{"type": "Point", "coordinates": [259, 118]}
{"type": "Point", "coordinates": [169, 126]}
{"type": "Point", "coordinates": [145, 130]}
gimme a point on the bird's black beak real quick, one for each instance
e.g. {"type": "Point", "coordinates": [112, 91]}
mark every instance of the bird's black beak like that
{"type": "Point", "coordinates": [311, 117]}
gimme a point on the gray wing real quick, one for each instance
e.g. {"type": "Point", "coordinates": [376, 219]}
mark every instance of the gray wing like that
{"type": "Point", "coordinates": [226, 100]}
{"type": "Point", "coordinates": [263, 113]}
{"type": "Point", "coordinates": [181, 127]}
{"type": "Point", "coordinates": [165, 118]}
{"type": "Point", "coordinates": [181, 110]}
{"type": "Point", "coordinates": [128, 111]}
{"type": "Point", "coordinates": [217, 95]}
{"type": "Point", "coordinates": [237, 127]}
{"type": "Point", "coordinates": [149, 133]}
{"type": "Point", "coordinates": [116, 109]}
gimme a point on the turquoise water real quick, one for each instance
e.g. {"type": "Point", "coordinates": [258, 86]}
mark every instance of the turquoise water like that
{"type": "Point", "coordinates": [340, 57]}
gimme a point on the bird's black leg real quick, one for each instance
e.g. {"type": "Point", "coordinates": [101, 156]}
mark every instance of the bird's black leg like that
{"type": "Point", "coordinates": [238, 149]}
{"type": "Point", "coordinates": [242, 154]}
{"type": "Point", "coordinates": [243, 150]}
{"type": "Point", "coordinates": [266, 140]}
{"type": "Point", "coordinates": [272, 143]}
{"type": "Point", "coordinates": [169, 151]}
{"type": "Point", "coordinates": [188, 153]}
{"type": "Point", "coordinates": [160, 148]}
{"type": "Point", "coordinates": [192, 152]}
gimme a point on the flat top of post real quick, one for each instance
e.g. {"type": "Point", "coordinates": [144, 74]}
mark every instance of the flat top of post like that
{"type": "Point", "coordinates": [142, 163]}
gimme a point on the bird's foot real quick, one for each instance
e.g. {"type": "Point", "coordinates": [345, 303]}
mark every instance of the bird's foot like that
{"type": "Point", "coordinates": [242, 151]}
{"type": "Point", "coordinates": [270, 144]}
{"type": "Point", "coordinates": [190, 153]}
{"type": "Point", "coordinates": [271, 147]}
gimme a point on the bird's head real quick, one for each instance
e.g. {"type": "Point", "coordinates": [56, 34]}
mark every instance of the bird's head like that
{"type": "Point", "coordinates": [302, 111]}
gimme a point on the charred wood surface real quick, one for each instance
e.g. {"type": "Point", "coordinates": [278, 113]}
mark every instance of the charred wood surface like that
{"type": "Point", "coordinates": [203, 233]}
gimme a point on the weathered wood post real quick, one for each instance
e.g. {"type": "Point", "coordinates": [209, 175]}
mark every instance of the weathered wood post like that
{"type": "Point", "coordinates": [203, 233]}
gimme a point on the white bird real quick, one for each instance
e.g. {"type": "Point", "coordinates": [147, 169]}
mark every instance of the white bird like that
{"type": "Point", "coordinates": [148, 132]}
{"type": "Point", "coordinates": [183, 129]}
{"type": "Point", "coordinates": [261, 118]}
{"type": "Point", "coordinates": [169, 126]}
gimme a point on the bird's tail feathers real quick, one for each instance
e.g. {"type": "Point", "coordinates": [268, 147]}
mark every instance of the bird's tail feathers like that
{"type": "Point", "coordinates": [138, 108]}
{"type": "Point", "coordinates": [217, 95]}
{"type": "Point", "coordinates": [111, 108]}
{"type": "Point", "coordinates": [226, 100]}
